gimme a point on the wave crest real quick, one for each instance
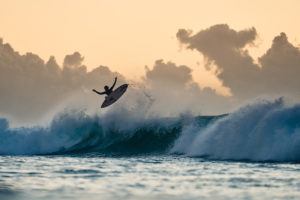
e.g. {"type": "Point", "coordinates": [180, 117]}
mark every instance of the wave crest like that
{"type": "Point", "coordinates": [264, 131]}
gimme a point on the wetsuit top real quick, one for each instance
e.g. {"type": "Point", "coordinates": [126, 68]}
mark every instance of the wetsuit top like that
{"type": "Point", "coordinates": [107, 91]}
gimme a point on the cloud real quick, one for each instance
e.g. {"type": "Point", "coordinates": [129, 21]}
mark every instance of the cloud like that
{"type": "Point", "coordinates": [169, 74]}
{"type": "Point", "coordinates": [73, 60]}
{"type": "Point", "coordinates": [174, 91]}
{"type": "Point", "coordinates": [281, 67]}
{"type": "Point", "coordinates": [30, 87]}
{"type": "Point", "coordinates": [225, 48]}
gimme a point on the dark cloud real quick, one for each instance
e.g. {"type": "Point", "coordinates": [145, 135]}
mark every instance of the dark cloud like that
{"type": "Point", "coordinates": [225, 48]}
{"type": "Point", "coordinates": [29, 87]}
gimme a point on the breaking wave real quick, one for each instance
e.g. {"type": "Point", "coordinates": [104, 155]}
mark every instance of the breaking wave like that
{"type": "Point", "coordinates": [76, 132]}
{"type": "Point", "coordinates": [262, 131]}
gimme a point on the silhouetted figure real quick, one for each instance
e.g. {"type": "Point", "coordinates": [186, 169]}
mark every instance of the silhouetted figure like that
{"type": "Point", "coordinates": [107, 91]}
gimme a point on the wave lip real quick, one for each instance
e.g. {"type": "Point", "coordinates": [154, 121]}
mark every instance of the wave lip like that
{"type": "Point", "coordinates": [264, 131]}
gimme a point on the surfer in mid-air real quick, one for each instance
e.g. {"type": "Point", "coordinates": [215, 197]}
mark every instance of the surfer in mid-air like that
{"type": "Point", "coordinates": [112, 95]}
{"type": "Point", "coordinates": [108, 90]}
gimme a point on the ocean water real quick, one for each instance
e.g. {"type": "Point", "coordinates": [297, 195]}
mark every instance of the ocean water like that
{"type": "Point", "coordinates": [144, 177]}
{"type": "Point", "coordinates": [252, 153]}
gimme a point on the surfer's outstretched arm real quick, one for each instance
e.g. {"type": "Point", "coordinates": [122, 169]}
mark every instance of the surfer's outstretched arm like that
{"type": "Point", "coordinates": [112, 87]}
{"type": "Point", "coordinates": [98, 92]}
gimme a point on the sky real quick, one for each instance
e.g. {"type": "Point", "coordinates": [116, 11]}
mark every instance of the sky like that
{"type": "Point", "coordinates": [215, 54]}
{"type": "Point", "coordinates": [127, 35]}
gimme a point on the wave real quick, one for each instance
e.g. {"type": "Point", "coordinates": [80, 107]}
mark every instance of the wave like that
{"type": "Point", "coordinates": [261, 131]}
{"type": "Point", "coordinates": [75, 131]}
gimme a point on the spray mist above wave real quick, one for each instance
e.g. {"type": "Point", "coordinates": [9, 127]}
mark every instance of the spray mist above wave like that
{"type": "Point", "coordinates": [259, 132]}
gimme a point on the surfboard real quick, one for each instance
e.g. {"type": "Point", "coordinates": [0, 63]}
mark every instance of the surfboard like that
{"type": "Point", "coordinates": [114, 96]}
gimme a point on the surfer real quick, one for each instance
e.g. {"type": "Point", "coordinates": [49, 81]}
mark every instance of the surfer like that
{"type": "Point", "coordinates": [108, 90]}
{"type": "Point", "coordinates": [112, 95]}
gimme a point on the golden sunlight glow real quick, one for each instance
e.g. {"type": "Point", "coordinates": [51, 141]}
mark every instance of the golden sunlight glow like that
{"type": "Point", "coordinates": [127, 35]}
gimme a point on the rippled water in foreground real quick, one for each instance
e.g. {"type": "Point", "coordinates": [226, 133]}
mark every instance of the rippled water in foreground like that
{"type": "Point", "coordinates": [144, 177]}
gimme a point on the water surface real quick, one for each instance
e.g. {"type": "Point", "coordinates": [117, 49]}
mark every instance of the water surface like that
{"type": "Point", "coordinates": [144, 177]}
